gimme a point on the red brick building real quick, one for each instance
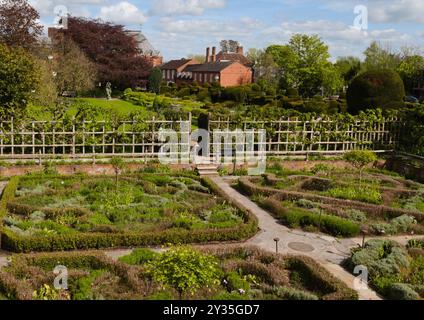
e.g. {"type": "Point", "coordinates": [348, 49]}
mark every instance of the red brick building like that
{"type": "Point", "coordinates": [174, 68]}
{"type": "Point", "coordinates": [228, 69]}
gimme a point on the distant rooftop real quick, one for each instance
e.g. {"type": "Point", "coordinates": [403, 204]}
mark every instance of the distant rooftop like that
{"type": "Point", "coordinates": [144, 45]}
{"type": "Point", "coordinates": [175, 64]}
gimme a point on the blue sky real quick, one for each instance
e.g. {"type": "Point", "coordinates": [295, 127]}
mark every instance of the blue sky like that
{"type": "Point", "coordinates": [178, 28]}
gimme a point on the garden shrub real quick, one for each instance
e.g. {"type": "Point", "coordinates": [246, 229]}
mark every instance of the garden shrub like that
{"type": "Point", "coordinates": [416, 243]}
{"type": "Point", "coordinates": [356, 215]}
{"type": "Point", "coordinates": [320, 168]}
{"type": "Point", "coordinates": [382, 258]}
{"type": "Point", "coordinates": [306, 204]}
{"type": "Point", "coordinates": [375, 89]}
{"type": "Point", "coordinates": [402, 224]}
{"type": "Point", "coordinates": [402, 291]}
{"type": "Point", "coordinates": [394, 272]}
{"type": "Point", "coordinates": [231, 296]}
{"type": "Point", "coordinates": [236, 282]}
{"type": "Point", "coordinates": [139, 257]}
{"type": "Point", "coordinates": [359, 193]}
{"type": "Point", "coordinates": [315, 184]}
{"type": "Point", "coordinates": [286, 293]}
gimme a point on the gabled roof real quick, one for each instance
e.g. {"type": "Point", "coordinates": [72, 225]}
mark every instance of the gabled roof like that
{"type": "Point", "coordinates": [175, 64]}
{"type": "Point", "coordinates": [235, 57]}
{"type": "Point", "coordinates": [191, 67]}
{"type": "Point", "coordinates": [210, 67]}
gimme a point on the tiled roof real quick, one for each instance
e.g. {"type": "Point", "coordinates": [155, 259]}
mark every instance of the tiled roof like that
{"type": "Point", "coordinates": [235, 57]}
{"type": "Point", "coordinates": [191, 68]}
{"type": "Point", "coordinates": [175, 64]}
{"type": "Point", "coordinates": [209, 67]}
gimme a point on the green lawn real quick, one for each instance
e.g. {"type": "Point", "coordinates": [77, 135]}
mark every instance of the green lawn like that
{"type": "Point", "coordinates": [120, 107]}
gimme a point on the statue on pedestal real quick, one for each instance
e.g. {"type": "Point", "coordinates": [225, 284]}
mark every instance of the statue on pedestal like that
{"type": "Point", "coordinates": [109, 91]}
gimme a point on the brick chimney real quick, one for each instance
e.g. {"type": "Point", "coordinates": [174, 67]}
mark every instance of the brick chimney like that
{"type": "Point", "coordinates": [208, 53]}
{"type": "Point", "coordinates": [214, 54]}
{"type": "Point", "coordinates": [240, 50]}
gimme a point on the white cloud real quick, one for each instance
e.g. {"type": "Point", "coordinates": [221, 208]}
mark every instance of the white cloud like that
{"type": "Point", "coordinates": [397, 11]}
{"type": "Point", "coordinates": [123, 12]}
{"type": "Point", "coordinates": [208, 27]}
{"type": "Point", "coordinates": [74, 7]}
{"type": "Point", "coordinates": [185, 7]}
{"type": "Point", "coordinates": [341, 38]}
{"type": "Point", "coordinates": [383, 11]}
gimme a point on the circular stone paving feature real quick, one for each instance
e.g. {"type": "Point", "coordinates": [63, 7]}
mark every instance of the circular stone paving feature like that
{"type": "Point", "coordinates": [301, 247]}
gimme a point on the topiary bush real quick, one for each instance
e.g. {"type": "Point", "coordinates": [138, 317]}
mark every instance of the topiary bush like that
{"type": "Point", "coordinates": [376, 89]}
{"type": "Point", "coordinates": [402, 291]}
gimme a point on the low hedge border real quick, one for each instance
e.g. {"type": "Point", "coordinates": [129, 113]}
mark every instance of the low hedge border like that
{"type": "Point", "coordinates": [333, 225]}
{"type": "Point", "coordinates": [26, 210]}
{"type": "Point", "coordinates": [273, 180]}
{"type": "Point", "coordinates": [20, 290]}
{"type": "Point", "coordinates": [318, 277]}
{"type": "Point", "coordinates": [83, 241]}
{"type": "Point", "coordinates": [378, 211]}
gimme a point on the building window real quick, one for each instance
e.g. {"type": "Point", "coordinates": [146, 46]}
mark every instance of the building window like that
{"type": "Point", "coordinates": [200, 77]}
{"type": "Point", "coordinates": [164, 74]}
{"type": "Point", "coordinates": [168, 74]}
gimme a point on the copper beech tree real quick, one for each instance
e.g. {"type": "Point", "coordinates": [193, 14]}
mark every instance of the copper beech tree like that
{"type": "Point", "coordinates": [114, 53]}
{"type": "Point", "coordinates": [18, 24]}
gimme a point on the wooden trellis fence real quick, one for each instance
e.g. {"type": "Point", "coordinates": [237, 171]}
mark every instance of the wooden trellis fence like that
{"type": "Point", "coordinates": [73, 139]}
{"type": "Point", "coordinates": [295, 136]}
{"type": "Point", "coordinates": [286, 136]}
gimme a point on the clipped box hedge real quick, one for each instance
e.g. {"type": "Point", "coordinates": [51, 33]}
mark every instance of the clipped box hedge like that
{"type": "Point", "coordinates": [378, 211]}
{"type": "Point", "coordinates": [83, 241]}
{"type": "Point", "coordinates": [19, 290]}
{"type": "Point", "coordinates": [329, 224]}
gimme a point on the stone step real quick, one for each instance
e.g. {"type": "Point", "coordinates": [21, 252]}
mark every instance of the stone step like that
{"type": "Point", "coordinates": [208, 172]}
{"type": "Point", "coordinates": [209, 167]}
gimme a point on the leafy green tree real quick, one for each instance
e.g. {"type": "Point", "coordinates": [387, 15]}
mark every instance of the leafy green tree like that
{"type": "Point", "coordinates": [74, 71]}
{"type": "Point", "coordinates": [199, 58]}
{"type": "Point", "coordinates": [186, 270]}
{"type": "Point", "coordinates": [305, 65]}
{"type": "Point", "coordinates": [46, 94]}
{"type": "Point", "coordinates": [264, 66]}
{"type": "Point", "coordinates": [284, 57]}
{"type": "Point", "coordinates": [359, 159]}
{"type": "Point", "coordinates": [19, 26]}
{"type": "Point", "coordinates": [19, 78]}
{"type": "Point", "coordinates": [378, 58]}
{"type": "Point", "coordinates": [118, 165]}
{"type": "Point", "coordinates": [349, 68]}
{"type": "Point", "coordinates": [155, 79]}
{"type": "Point", "coordinates": [410, 71]}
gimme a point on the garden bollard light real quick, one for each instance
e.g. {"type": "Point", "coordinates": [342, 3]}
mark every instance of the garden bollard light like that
{"type": "Point", "coordinates": [364, 233]}
{"type": "Point", "coordinates": [276, 244]}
